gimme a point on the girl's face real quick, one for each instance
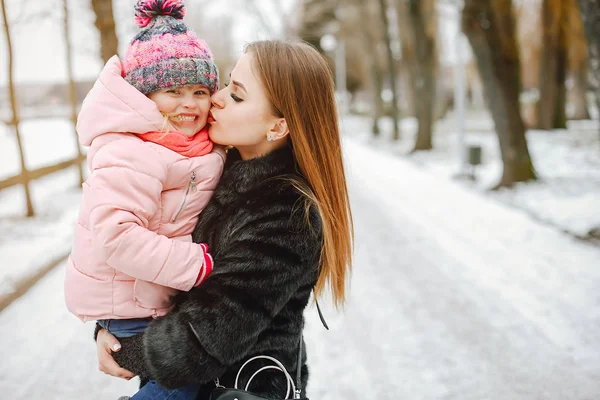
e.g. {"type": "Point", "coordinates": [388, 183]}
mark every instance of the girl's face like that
{"type": "Point", "coordinates": [241, 115]}
{"type": "Point", "coordinates": [186, 107]}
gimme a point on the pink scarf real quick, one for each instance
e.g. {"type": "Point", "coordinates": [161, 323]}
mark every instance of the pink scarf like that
{"type": "Point", "coordinates": [198, 145]}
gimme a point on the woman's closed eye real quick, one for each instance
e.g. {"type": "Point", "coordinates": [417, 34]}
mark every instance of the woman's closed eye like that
{"type": "Point", "coordinates": [235, 97]}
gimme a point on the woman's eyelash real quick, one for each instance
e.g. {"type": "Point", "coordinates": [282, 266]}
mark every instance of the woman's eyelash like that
{"type": "Point", "coordinates": [232, 95]}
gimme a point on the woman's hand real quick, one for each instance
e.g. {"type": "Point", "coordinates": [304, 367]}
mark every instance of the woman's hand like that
{"type": "Point", "coordinates": [106, 344]}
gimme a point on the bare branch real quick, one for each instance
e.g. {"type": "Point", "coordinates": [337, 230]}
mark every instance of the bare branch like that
{"type": "Point", "coordinates": [257, 11]}
{"type": "Point", "coordinates": [29, 13]}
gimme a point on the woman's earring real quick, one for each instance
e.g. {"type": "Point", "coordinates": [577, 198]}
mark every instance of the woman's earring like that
{"type": "Point", "coordinates": [269, 138]}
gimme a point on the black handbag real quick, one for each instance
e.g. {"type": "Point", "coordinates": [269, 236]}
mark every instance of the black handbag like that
{"type": "Point", "coordinates": [235, 393]}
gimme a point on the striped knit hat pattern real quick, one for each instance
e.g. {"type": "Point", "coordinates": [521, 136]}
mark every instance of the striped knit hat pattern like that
{"type": "Point", "coordinates": [166, 53]}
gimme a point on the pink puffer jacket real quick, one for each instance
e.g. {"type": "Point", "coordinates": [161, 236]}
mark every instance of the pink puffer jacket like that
{"type": "Point", "coordinates": [133, 246]}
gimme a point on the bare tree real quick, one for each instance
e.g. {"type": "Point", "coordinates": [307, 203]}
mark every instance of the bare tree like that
{"type": "Point", "coordinates": [551, 112]}
{"type": "Point", "coordinates": [529, 41]}
{"type": "Point", "coordinates": [15, 111]}
{"type": "Point", "coordinates": [260, 10]}
{"type": "Point", "coordinates": [578, 63]}
{"type": "Point", "coordinates": [369, 36]}
{"type": "Point", "coordinates": [105, 22]}
{"type": "Point", "coordinates": [391, 67]}
{"type": "Point", "coordinates": [31, 13]}
{"type": "Point", "coordinates": [341, 19]}
{"type": "Point", "coordinates": [408, 63]}
{"type": "Point", "coordinates": [419, 52]}
{"type": "Point", "coordinates": [590, 13]}
{"type": "Point", "coordinates": [490, 27]}
{"type": "Point", "coordinates": [72, 87]}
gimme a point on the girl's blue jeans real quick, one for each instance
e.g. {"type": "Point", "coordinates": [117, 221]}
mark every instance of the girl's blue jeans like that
{"type": "Point", "coordinates": [153, 391]}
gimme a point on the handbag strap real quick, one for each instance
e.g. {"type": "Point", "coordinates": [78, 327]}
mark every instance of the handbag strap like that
{"type": "Point", "coordinates": [321, 315]}
{"type": "Point", "coordinates": [298, 392]}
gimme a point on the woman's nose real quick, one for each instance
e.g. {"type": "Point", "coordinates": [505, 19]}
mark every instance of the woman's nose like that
{"type": "Point", "coordinates": [217, 100]}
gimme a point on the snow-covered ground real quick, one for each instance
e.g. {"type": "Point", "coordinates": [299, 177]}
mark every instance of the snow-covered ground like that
{"type": "Point", "coordinates": [28, 244]}
{"type": "Point", "coordinates": [567, 195]}
{"type": "Point", "coordinates": [454, 296]}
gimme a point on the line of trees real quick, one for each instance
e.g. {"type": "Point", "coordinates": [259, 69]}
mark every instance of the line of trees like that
{"type": "Point", "coordinates": [494, 31]}
{"type": "Point", "coordinates": [395, 45]}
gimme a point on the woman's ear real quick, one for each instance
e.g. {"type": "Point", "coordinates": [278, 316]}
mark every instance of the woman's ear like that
{"type": "Point", "coordinates": [279, 130]}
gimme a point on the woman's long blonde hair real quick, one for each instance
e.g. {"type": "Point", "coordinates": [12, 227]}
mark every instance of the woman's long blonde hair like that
{"type": "Point", "coordinates": [299, 84]}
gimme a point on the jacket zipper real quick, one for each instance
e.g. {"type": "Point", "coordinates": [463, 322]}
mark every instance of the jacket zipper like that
{"type": "Point", "coordinates": [191, 185]}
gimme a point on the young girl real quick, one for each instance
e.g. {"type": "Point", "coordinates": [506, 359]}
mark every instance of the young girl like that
{"type": "Point", "coordinates": [153, 169]}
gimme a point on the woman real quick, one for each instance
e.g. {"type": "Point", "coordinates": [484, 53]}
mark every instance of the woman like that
{"type": "Point", "coordinates": [279, 226]}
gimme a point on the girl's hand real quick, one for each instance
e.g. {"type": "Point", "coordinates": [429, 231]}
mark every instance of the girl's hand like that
{"type": "Point", "coordinates": [106, 344]}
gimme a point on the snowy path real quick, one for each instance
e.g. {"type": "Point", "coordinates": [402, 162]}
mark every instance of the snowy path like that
{"type": "Point", "coordinates": [453, 297]}
{"type": "Point", "coordinates": [48, 353]}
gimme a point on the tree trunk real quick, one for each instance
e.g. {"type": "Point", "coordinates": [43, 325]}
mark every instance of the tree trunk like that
{"type": "Point", "coordinates": [560, 111]}
{"type": "Point", "coordinates": [425, 63]}
{"type": "Point", "coordinates": [72, 88]}
{"type": "Point", "coordinates": [579, 93]}
{"type": "Point", "coordinates": [105, 22]}
{"type": "Point", "coordinates": [15, 112]}
{"type": "Point", "coordinates": [590, 14]}
{"type": "Point", "coordinates": [368, 42]}
{"type": "Point", "coordinates": [490, 28]}
{"type": "Point", "coordinates": [578, 64]}
{"type": "Point", "coordinates": [391, 67]}
{"type": "Point", "coordinates": [551, 105]}
{"type": "Point", "coordinates": [409, 63]}
{"type": "Point", "coordinates": [376, 76]}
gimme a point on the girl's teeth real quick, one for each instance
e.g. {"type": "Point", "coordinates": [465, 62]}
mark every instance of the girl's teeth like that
{"type": "Point", "coordinates": [184, 119]}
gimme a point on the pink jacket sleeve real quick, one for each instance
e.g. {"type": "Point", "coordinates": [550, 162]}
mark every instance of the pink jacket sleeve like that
{"type": "Point", "coordinates": [124, 190]}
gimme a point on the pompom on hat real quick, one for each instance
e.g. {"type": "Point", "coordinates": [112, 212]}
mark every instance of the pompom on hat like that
{"type": "Point", "coordinates": [166, 53]}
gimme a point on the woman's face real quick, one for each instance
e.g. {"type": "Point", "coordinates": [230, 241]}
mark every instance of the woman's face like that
{"type": "Point", "coordinates": [186, 107]}
{"type": "Point", "coordinates": [241, 115]}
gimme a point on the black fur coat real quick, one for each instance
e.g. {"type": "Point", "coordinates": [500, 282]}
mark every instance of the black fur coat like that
{"type": "Point", "coordinates": [266, 261]}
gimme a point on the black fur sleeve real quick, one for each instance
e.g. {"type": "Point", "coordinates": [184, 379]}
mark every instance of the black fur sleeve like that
{"type": "Point", "coordinates": [131, 355]}
{"type": "Point", "coordinates": [214, 326]}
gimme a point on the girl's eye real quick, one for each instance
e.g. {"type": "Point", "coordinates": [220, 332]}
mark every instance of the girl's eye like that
{"type": "Point", "coordinates": [235, 98]}
{"type": "Point", "coordinates": [201, 92]}
{"type": "Point", "coordinates": [174, 91]}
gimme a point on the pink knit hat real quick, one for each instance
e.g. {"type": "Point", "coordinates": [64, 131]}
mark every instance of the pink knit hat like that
{"type": "Point", "coordinates": [166, 53]}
